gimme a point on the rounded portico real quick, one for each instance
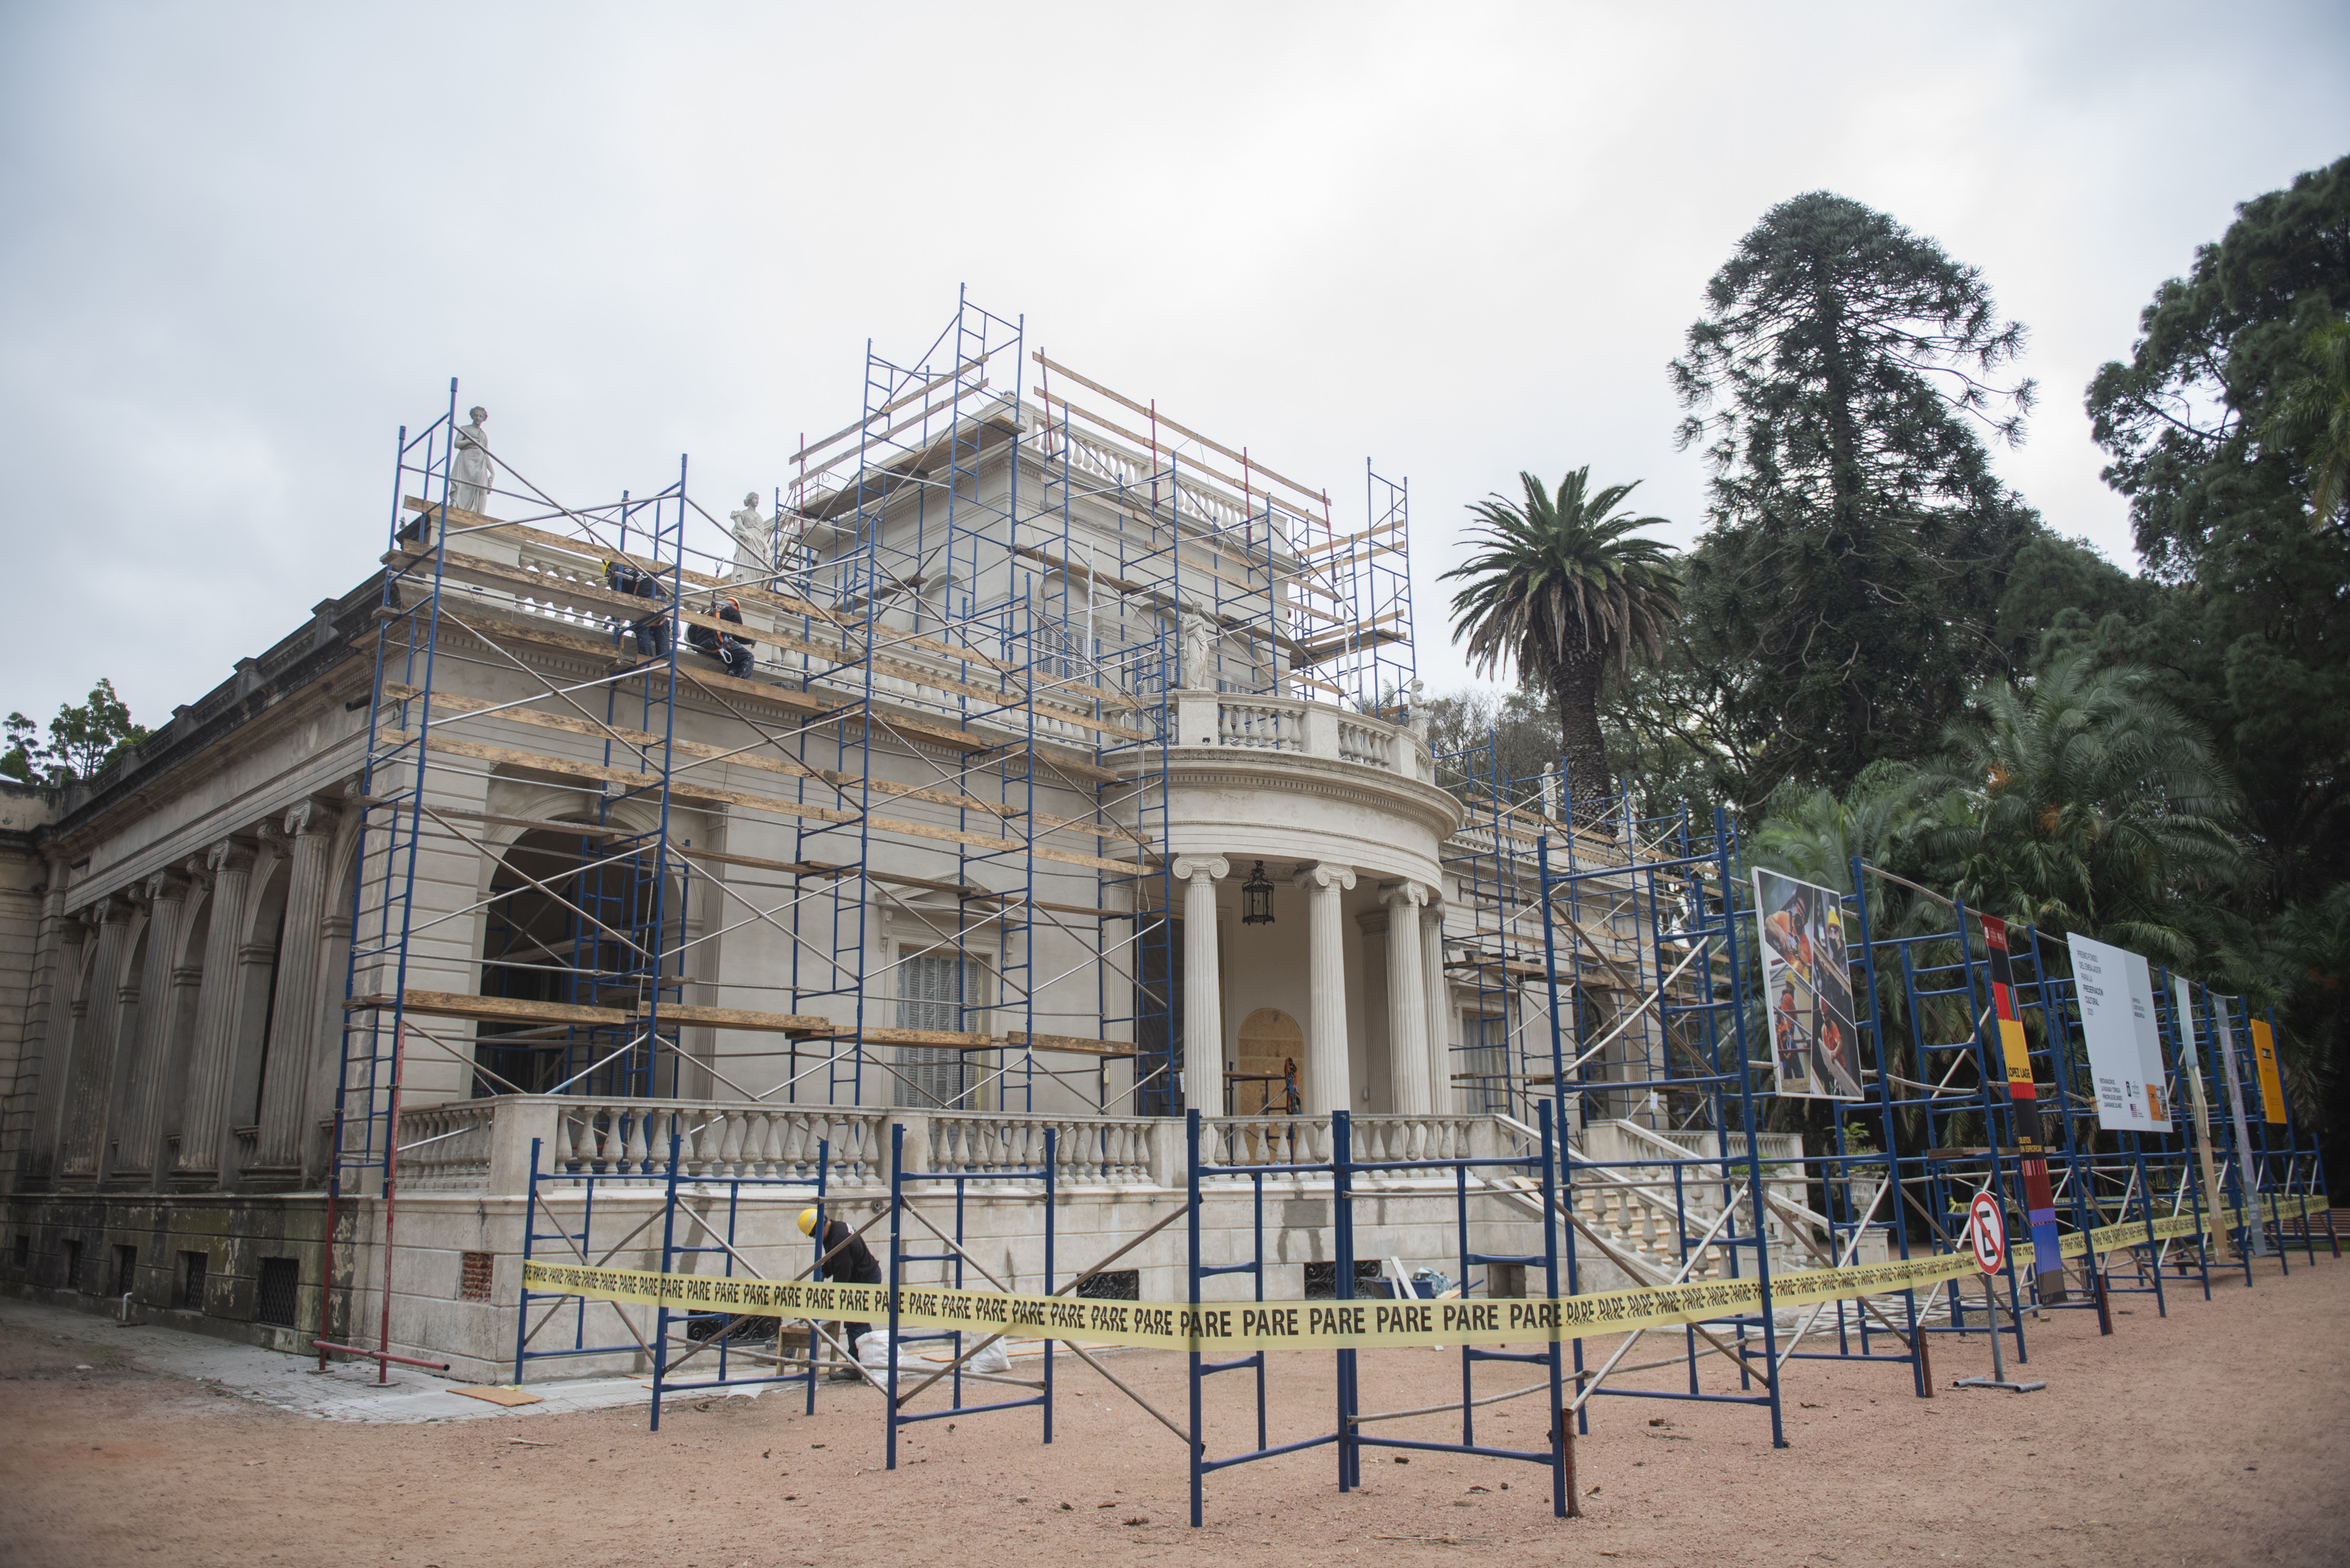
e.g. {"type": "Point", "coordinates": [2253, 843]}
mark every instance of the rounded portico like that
{"type": "Point", "coordinates": [1306, 846]}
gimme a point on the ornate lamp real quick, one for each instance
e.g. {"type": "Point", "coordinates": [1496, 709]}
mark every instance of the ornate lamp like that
{"type": "Point", "coordinates": [1256, 898]}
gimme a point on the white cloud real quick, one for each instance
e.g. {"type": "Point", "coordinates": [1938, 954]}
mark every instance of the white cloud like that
{"type": "Point", "coordinates": [247, 243]}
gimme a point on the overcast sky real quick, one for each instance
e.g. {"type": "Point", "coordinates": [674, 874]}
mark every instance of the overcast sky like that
{"type": "Point", "coordinates": [244, 244]}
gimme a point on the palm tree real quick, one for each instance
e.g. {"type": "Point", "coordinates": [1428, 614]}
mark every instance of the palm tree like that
{"type": "Point", "coordinates": [2095, 808]}
{"type": "Point", "coordinates": [1560, 590]}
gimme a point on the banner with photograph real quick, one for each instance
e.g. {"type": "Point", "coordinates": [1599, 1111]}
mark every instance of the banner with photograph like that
{"type": "Point", "coordinates": [2116, 995]}
{"type": "Point", "coordinates": [1807, 988]}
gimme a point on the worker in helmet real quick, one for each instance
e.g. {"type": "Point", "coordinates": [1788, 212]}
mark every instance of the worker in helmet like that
{"type": "Point", "coordinates": [843, 1256]}
{"type": "Point", "coordinates": [728, 649]}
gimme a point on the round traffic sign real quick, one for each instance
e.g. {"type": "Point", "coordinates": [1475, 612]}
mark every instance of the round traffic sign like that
{"type": "Point", "coordinates": [1987, 1234]}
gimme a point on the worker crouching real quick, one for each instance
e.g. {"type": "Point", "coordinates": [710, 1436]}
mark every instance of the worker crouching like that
{"type": "Point", "coordinates": [729, 650]}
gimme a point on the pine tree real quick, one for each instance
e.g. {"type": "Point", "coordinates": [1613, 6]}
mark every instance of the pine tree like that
{"type": "Point", "coordinates": [1844, 598]}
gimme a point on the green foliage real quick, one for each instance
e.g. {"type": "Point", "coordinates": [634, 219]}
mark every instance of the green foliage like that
{"type": "Point", "coordinates": [1488, 747]}
{"type": "Point", "coordinates": [1562, 590]}
{"type": "Point", "coordinates": [2250, 626]}
{"type": "Point", "coordinates": [2091, 805]}
{"type": "Point", "coordinates": [1845, 597]}
{"type": "Point", "coordinates": [81, 740]}
{"type": "Point", "coordinates": [2313, 420]}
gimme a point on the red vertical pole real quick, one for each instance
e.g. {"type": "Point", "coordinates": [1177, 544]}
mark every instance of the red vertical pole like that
{"type": "Point", "coordinates": [1566, 1419]}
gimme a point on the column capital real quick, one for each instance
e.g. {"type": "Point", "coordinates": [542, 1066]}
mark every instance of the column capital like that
{"type": "Point", "coordinates": [114, 909]}
{"type": "Point", "coordinates": [168, 886]}
{"type": "Point", "coordinates": [272, 836]}
{"type": "Point", "coordinates": [1323, 874]}
{"type": "Point", "coordinates": [229, 855]}
{"type": "Point", "coordinates": [1400, 895]}
{"type": "Point", "coordinates": [311, 816]}
{"type": "Point", "coordinates": [1191, 868]}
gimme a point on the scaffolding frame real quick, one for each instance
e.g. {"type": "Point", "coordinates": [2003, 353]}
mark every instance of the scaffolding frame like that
{"type": "Point", "coordinates": [980, 581]}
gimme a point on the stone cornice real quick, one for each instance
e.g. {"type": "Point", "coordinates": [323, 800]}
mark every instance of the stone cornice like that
{"type": "Point", "coordinates": [1295, 773]}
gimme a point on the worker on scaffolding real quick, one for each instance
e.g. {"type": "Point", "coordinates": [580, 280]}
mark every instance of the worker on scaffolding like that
{"type": "Point", "coordinates": [843, 1257]}
{"type": "Point", "coordinates": [625, 577]}
{"type": "Point", "coordinates": [731, 651]}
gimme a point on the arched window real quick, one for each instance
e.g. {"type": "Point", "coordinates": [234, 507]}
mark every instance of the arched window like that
{"type": "Point", "coordinates": [584, 919]}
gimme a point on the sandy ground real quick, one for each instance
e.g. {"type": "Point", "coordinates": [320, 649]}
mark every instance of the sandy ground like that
{"type": "Point", "coordinates": [2220, 1434]}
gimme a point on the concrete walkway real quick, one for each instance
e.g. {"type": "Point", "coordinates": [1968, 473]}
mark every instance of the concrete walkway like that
{"type": "Point", "coordinates": [346, 1391]}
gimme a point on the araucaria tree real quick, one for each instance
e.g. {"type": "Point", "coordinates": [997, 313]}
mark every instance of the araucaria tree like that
{"type": "Point", "coordinates": [1561, 587]}
{"type": "Point", "coordinates": [1838, 383]}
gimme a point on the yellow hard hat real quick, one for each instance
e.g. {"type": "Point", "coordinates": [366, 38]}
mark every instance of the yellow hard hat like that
{"type": "Point", "coordinates": [808, 1221]}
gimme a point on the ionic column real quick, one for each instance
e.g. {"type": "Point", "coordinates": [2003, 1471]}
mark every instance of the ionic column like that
{"type": "Point", "coordinates": [1443, 1097]}
{"type": "Point", "coordinates": [204, 1128]}
{"type": "Point", "coordinates": [93, 1065]}
{"type": "Point", "coordinates": [1328, 1086]}
{"type": "Point", "coordinates": [285, 1085]}
{"type": "Point", "coordinates": [140, 1075]}
{"type": "Point", "coordinates": [1203, 1001]}
{"type": "Point", "coordinates": [1408, 1067]}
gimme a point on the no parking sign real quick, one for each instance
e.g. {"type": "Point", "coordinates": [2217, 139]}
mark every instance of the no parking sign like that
{"type": "Point", "coordinates": [1987, 1234]}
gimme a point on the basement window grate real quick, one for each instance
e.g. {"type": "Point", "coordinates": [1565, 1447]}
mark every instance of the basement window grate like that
{"type": "Point", "coordinates": [1322, 1280]}
{"type": "Point", "coordinates": [191, 1280]}
{"type": "Point", "coordinates": [1113, 1285]}
{"type": "Point", "coordinates": [23, 1251]}
{"type": "Point", "coordinates": [71, 1255]}
{"type": "Point", "coordinates": [281, 1277]}
{"type": "Point", "coordinates": [126, 1270]}
{"type": "Point", "coordinates": [473, 1276]}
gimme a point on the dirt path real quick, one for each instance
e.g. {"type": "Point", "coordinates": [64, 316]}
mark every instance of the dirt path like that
{"type": "Point", "coordinates": [2219, 1434]}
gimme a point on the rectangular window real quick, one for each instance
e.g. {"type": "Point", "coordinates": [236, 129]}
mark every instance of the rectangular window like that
{"type": "Point", "coordinates": [72, 1260]}
{"type": "Point", "coordinates": [23, 1249]}
{"type": "Point", "coordinates": [191, 1282]}
{"type": "Point", "coordinates": [126, 1270]}
{"type": "Point", "coordinates": [473, 1277]}
{"type": "Point", "coordinates": [1485, 1053]}
{"type": "Point", "coordinates": [281, 1280]}
{"type": "Point", "coordinates": [942, 991]}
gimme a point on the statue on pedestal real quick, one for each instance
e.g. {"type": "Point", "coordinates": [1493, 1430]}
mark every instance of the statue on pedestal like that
{"type": "Point", "coordinates": [1199, 653]}
{"type": "Point", "coordinates": [470, 469]}
{"type": "Point", "coordinates": [754, 539]}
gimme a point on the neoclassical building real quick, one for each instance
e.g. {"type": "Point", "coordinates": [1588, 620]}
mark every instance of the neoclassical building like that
{"type": "Point", "coordinates": [1060, 779]}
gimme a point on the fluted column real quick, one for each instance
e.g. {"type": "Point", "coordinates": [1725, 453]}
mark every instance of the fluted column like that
{"type": "Point", "coordinates": [139, 1076]}
{"type": "Point", "coordinates": [1203, 998]}
{"type": "Point", "coordinates": [1328, 1086]}
{"type": "Point", "coordinates": [285, 1084]}
{"type": "Point", "coordinates": [1443, 1097]}
{"type": "Point", "coordinates": [1407, 1001]}
{"type": "Point", "coordinates": [59, 1010]}
{"type": "Point", "coordinates": [204, 1127]}
{"type": "Point", "coordinates": [94, 1042]}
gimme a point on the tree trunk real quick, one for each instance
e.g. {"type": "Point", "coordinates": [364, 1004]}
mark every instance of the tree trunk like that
{"type": "Point", "coordinates": [1590, 789]}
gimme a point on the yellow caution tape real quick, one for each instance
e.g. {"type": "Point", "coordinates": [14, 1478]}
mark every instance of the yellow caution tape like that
{"type": "Point", "coordinates": [1303, 1325]}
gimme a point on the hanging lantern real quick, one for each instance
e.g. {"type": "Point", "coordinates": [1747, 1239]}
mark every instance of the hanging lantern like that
{"type": "Point", "coordinates": [1256, 898]}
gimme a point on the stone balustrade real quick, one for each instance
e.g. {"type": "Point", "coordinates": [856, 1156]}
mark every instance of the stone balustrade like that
{"type": "Point", "coordinates": [486, 1145]}
{"type": "Point", "coordinates": [1310, 729]}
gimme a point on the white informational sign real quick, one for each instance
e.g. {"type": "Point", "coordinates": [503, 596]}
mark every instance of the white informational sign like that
{"type": "Point", "coordinates": [1987, 1234]}
{"type": "Point", "coordinates": [2116, 997]}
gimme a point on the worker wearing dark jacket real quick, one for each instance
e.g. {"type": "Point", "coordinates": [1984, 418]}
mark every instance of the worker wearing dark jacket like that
{"type": "Point", "coordinates": [843, 1256]}
{"type": "Point", "coordinates": [729, 649]}
{"type": "Point", "coordinates": [624, 576]}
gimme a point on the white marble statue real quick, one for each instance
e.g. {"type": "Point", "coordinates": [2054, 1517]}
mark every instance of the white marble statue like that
{"type": "Point", "coordinates": [471, 471]}
{"type": "Point", "coordinates": [1416, 715]}
{"type": "Point", "coordinates": [1199, 672]}
{"type": "Point", "coordinates": [754, 539]}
